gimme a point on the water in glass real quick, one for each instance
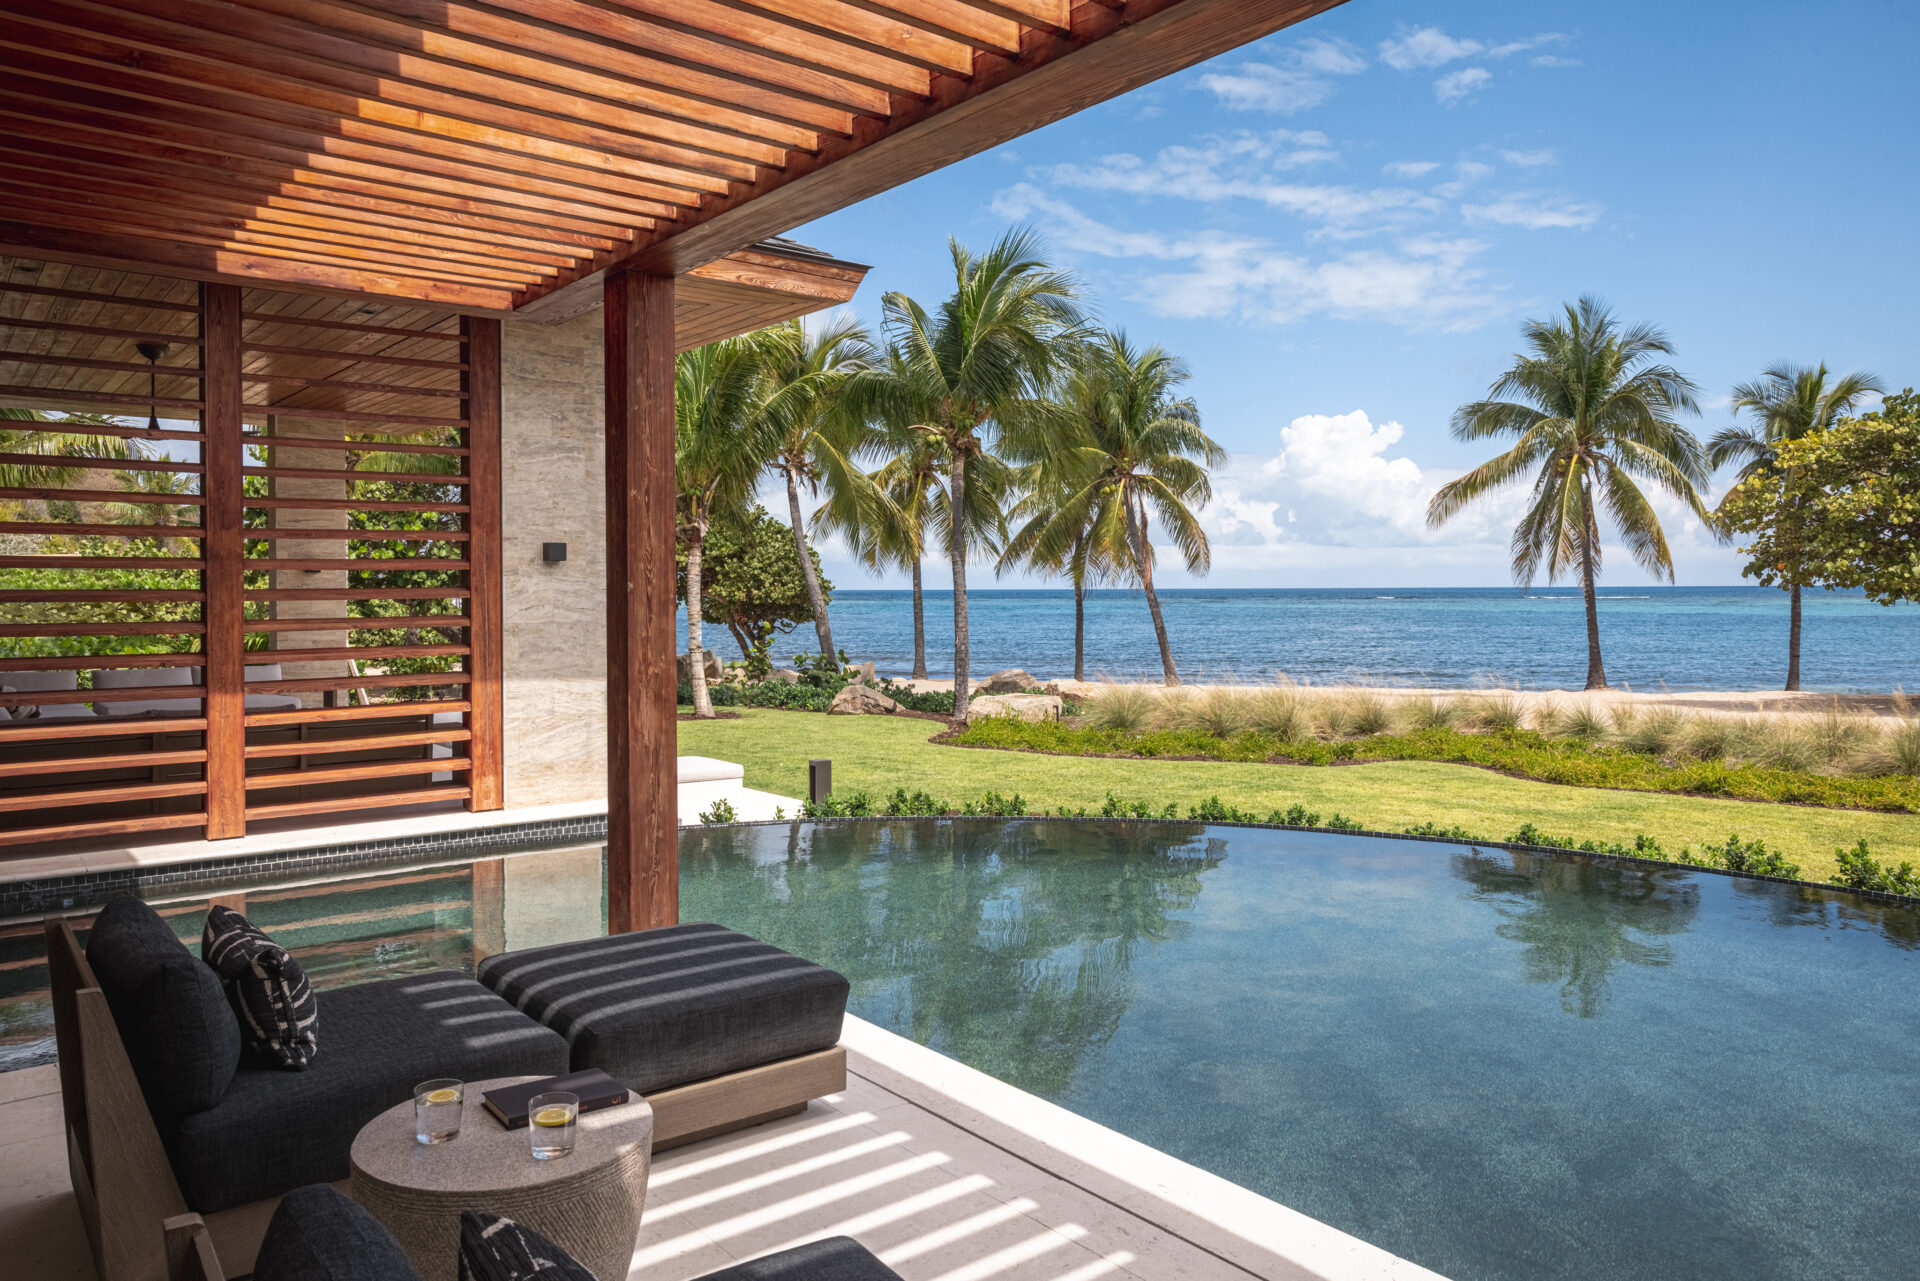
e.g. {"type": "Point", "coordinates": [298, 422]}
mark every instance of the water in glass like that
{"type": "Point", "coordinates": [437, 1106]}
{"type": "Point", "coordinates": [551, 1121]}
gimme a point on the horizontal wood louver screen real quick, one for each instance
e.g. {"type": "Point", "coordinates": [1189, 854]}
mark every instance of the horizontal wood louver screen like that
{"type": "Point", "coordinates": [301, 550]}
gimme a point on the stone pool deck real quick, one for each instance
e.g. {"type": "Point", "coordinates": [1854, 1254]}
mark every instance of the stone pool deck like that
{"type": "Point", "coordinates": [944, 1172]}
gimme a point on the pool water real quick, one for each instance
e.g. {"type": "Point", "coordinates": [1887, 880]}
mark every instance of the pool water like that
{"type": "Point", "coordinates": [1497, 1065]}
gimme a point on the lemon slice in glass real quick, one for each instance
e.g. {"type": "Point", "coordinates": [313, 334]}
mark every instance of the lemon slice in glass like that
{"type": "Point", "coordinates": [552, 1116]}
{"type": "Point", "coordinates": [443, 1096]}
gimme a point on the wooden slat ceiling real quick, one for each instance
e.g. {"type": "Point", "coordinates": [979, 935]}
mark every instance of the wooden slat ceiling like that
{"type": "Point", "coordinates": [92, 320]}
{"type": "Point", "coordinates": [488, 156]}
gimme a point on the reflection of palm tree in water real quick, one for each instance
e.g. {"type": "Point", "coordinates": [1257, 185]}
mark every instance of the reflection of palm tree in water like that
{"type": "Point", "coordinates": [1578, 920]}
{"type": "Point", "coordinates": [1005, 944]}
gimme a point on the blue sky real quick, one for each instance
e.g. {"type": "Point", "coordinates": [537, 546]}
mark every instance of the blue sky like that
{"type": "Point", "coordinates": [1341, 227]}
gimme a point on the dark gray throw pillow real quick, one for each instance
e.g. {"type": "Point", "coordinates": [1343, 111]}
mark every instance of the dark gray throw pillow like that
{"type": "Point", "coordinates": [493, 1248]}
{"type": "Point", "coordinates": [279, 1018]}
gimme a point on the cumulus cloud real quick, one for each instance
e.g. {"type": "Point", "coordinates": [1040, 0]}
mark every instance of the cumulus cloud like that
{"type": "Point", "coordinates": [1422, 47]}
{"type": "Point", "coordinates": [1297, 80]}
{"type": "Point", "coordinates": [1533, 211]}
{"type": "Point", "coordinates": [1457, 86]}
{"type": "Point", "coordinates": [1418, 282]}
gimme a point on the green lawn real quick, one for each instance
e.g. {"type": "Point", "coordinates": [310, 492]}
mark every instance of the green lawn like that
{"type": "Point", "coordinates": [878, 754]}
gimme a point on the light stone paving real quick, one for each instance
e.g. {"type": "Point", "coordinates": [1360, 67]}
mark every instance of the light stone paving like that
{"type": "Point", "coordinates": [947, 1174]}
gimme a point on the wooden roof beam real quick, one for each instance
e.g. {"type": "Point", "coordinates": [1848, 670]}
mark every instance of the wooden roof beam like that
{"type": "Point", "coordinates": [956, 19]}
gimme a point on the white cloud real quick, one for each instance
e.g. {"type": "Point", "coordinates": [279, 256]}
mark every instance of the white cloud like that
{"type": "Point", "coordinates": [1531, 159]}
{"type": "Point", "coordinates": [1419, 282]}
{"type": "Point", "coordinates": [1456, 86]}
{"type": "Point", "coordinates": [1465, 174]}
{"type": "Point", "coordinates": [1425, 47]}
{"type": "Point", "coordinates": [1552, 60]}
{"type": "Point", "coordinates": [1533, 211]}
{"type": "Point", "coordinates": [1297, 80]}
{"type": "Point", "coordinates": [1410, 168]}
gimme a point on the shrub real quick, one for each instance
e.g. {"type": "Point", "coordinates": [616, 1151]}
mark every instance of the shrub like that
{"type": "Point", "coordinates": [1860, 870]}
{"type": "Point", "coordinates": [721, 811]}
{"type": "Point", "coordinates": [1754, 856]}
{"type": "Point", "coordinates": [1298, 815]}
{"type": "Point", "coordinates": [1341, 823]}
{"type": "Point", "coordinates": [1456, 832]}
{"type": "Point", "coordinates": [1117, 808]}
{"type": "Point", "coordinates": [1128, 708]}
{"type": "Point", "coordinates": [913, 804]}
{"type": "Point", "coordinates": [995, 805]}
{"type": "Point", "coordinates": [851, 805]}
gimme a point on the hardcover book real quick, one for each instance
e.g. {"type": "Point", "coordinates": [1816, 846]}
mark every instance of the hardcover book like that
{"type": "Point", "coordinates": [596, 1090]}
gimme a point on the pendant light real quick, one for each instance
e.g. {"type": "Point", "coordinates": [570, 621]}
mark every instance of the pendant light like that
{"type": "Point", "coordinates": [152, 351]}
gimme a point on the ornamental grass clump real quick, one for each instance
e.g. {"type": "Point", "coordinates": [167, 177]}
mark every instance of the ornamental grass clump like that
{"type": "Point", "coordinates": [1580, 721]}
{"type": "Point", "coordinates": [1653, 732]}
{"type": "Point", "coordinates": [1493, 713]}
{"type": "Point", "coordinates": [1127, 708]}
{"type": "Point", "coordinates": [1899, 750]}
{"type": "Point", "coordinates": [1839, 739]}
{"type": "Point", "coordinates": [1216, 710]}
{"type": "Point", "coordinates": [1431, 713]}
{"type": "Point", "coordinates": [1277, 710]}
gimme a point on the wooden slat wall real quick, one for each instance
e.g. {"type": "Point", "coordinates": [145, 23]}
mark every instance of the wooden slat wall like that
{"type": "Point", "coordinates": [242, 368]}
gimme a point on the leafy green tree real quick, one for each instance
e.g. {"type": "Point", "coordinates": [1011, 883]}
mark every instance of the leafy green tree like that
{"type": "Point", "coordinates": [751, 582]}
{"type": "Point", "coordinates": [1786, 403]}
{"type": "Point", "coordinates": [1126, 449]}
{"type": "Point", "coordinates": [1601, 411]}
{"type": "Point", "coordinates": [974, 372]}
{"type": "Point", "coordinates": [720, 443]}
{"type": "Point", "coordinates": [1840, 507]}
{"type": "Point", "coordinates": [817, 437]}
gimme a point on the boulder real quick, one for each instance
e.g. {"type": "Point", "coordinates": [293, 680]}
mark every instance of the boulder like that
{"type": "Point", "coordinates": [785, 675]}
{"type": "Point", "coordinates": [861, 700]}
{"type": "Point", "coordinates": [710, 661]}
{"type": "Point", "coordinates": [1011, 681]}
{"type": "Point", "coordinates": [1019, 707]}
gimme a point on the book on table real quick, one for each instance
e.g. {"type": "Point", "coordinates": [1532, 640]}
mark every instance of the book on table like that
{"type": "Point", "coordinates": [596, 1089]}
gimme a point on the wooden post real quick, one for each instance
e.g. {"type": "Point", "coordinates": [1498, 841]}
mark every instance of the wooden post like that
{"type": "Point", "coordinates": [224, 547]}
{"type": "Point", "coordinates": [481, 385]}
{"type": "Point", "coordinates": [643, 833]}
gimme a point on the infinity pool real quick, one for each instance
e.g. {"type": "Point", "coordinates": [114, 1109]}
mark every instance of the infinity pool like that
{"type": "Point", "coordinates": [1496, 1065]}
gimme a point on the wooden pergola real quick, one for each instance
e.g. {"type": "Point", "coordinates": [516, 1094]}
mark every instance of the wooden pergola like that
{"type": "Point", "coordinates": [459, 162]}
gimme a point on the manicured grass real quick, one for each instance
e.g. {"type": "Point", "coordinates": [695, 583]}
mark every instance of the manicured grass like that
{"type": "Point", "coordinates": [878, 754]}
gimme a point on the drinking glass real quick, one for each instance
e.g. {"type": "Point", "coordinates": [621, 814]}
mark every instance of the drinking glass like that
{"type": "Point", "coordinates": [551, 1121]}
{"type": "Point", "coordinates": [437, 1106]}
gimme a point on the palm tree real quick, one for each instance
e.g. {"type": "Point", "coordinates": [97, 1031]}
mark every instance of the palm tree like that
{"type": "Point", "coordinates": [1128, 449]}
{"type": "Point", "coordinates": [1786, 402]}
{"type": "Point", "coordinates": [54, 444]}
{"type": "Point", "coordinates": [720, 440]}
{"type": "Point", "coordinates": [1600, 413]}
{"type": "Point", "coordinates": [973, 372]}
{"type": "Point", "coordinates": [817, 440]}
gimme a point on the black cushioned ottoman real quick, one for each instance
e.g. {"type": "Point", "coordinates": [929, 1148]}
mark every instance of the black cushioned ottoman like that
{"type": "Point", "coordinates": [667, 1007]}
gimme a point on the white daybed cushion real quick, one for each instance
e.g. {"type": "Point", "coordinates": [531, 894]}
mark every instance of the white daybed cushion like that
{"type": "Point", "coordinates": [64, 712]}
{"type": "Point", "coordinates": [264, 672]}
{"type": "Point", "coordinates": [705, 769]}
{"type": "Point", "coordinates": [138, 677]}
{"type": "Point", "coordinates": [272, 702]}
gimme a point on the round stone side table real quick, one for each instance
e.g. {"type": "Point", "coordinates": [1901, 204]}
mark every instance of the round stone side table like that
{"type": "Point", "coordinates": [588, 1203]}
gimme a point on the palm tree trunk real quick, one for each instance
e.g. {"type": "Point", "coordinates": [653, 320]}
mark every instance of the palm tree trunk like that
{"type": "Point", "coordinates": [696, 660]}
{"type": "Point", "coordinates": [1080, 628]}
{"type": "Point", "coordinates": [1596, 670]}
{"type": "Point", "coordinates": [919, 625]}
{"type": "Point", "coordinates": [815, 597]}
{"type": "Point", "coordinates": [957, 549]}
{"type": "Point", "coordinates": [1143, 555]}
{"type": "Point", "coordinates": [1793, 640]}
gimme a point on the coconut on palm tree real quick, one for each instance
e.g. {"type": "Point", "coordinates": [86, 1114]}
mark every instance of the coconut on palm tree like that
{"type": "Point", "coordinates": [973, 372]}
{"type": "Point", "coordinates": [1595, 409]}
{"type": "Point", "coordinates": [816, 438]}
{"type": "Point", "coordinates": [1785, 403]}
{"type": "Point", "coordinates": [1126, 449]}
{"type": "Point", "coordinates": [720, 440]}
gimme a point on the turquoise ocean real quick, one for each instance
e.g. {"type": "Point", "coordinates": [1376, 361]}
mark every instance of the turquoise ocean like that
{"type": "Point", "coordinates": [1680, 638]}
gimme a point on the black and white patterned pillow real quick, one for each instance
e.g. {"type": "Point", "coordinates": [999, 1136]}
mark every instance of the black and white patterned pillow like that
{"type": "Point", "coordinates": [278, 1015]}
{"type": "Point", "coordinates": [493, 1248]}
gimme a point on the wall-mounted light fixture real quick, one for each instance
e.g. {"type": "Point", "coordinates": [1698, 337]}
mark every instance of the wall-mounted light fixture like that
{"type": "Point", "coordinates": [553, 553]}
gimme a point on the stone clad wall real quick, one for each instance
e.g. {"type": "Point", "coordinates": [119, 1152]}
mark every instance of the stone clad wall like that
{"type": "Point", "coordinates": [554, 616]}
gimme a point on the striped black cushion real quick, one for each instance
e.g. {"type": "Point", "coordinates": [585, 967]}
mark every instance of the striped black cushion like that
{"type": "Point", "coordinates": [278, 1016]}
{"type": "Point", "coordinates": [493, 1248]}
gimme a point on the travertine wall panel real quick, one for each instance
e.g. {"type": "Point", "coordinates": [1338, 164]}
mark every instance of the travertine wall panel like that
{"type": "Point", "coordinates": [554, 616]}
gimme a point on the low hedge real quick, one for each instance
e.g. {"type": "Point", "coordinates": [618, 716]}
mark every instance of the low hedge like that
{"type": "Point", "coordinates": [1518, 752]}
